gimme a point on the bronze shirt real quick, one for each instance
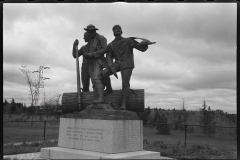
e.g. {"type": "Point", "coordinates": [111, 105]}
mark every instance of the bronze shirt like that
{"type": "Point", "coordinates": [122, 51]}
{"type": "Point", "coordinates": [97, 45]}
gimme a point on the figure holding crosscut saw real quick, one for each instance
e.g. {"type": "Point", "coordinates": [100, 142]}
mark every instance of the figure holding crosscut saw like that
{"type": "Point", "coordinates": [121, 49]}
{"type": "Point", "coordinates": [94, 52]}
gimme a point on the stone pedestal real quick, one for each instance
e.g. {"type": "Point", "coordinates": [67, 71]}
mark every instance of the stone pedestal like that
{"type": "Point", "coordinates": [109, 137]}
{"type": "Point", "coordinates": [106, 136]}
{"type": "Point", "coordinates": [66, 153]}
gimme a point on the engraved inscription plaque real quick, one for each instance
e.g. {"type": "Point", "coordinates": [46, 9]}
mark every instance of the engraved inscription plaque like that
{"type": "Point", "coordinates": [135, 135]}
{"type": "Point", "coordinates": [107, 136]}
{"type": "Point", "coordinates": [85, 134]}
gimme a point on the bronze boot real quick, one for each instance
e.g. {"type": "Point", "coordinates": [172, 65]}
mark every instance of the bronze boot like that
{"type": "Point", "coordinates": [107, 83]}
{"type": "Point", "coordinates": [108, 89]}
{"type": "Point", "coordinates": [95, 94]}
{"type": "Point", "coordinates": [124, 103]}
{"type": "Point", "coordinates": [99, 94]}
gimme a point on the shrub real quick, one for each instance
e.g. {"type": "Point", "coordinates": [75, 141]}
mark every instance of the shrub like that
{"type": "Point", "coordinates": [207, 120]}
{"type": "Point", "coordinates": [159, 144]}
{"type": "Point", "coordinates": [163, 127]}
{"type": "Point", "coordinates": [176, 148]}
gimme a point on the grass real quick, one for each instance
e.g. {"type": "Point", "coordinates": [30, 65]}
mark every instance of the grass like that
{"type": "Point", "coordinates": [27, 148]}
{"type": "Point", "coordinates": [23, 131]}
{"type": "Point", "coordinates": [179, 151]}
{"type": "Point", "coordinates": [198, 146]}
{"type": "Point", "coordinates": [226, 141]}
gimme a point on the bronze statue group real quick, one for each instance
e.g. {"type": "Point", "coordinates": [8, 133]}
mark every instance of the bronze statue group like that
{"type": "Point", "coordinates": [101, 60]}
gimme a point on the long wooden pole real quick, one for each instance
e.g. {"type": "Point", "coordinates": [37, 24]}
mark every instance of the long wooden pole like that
{"type": "Point", "coordinates": [78, 79]}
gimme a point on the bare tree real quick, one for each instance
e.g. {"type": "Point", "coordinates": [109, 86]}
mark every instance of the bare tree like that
{"type": "Point", "coordinates": [33, 88]}
{"type": "Point", "coordinates": [181, 118]}
{"type": "Point", "coordinates": [30, 83]}
{"type": "Point", "coordinates": [35, 85]}
{"type": "Point", "coordinates": [50, 103]}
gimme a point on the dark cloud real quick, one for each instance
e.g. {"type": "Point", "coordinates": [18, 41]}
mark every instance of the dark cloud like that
{"type": "Point", "coordinates": [26, 49]}
{"type": "Point", "coordinates": [214, 23]}
{"type": "Point", "coordinates": [13, 76]}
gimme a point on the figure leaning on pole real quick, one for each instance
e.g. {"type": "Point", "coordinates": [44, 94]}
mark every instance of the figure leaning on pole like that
{"type": "Point", "coordinates": [94, 53]}
{"type": "Point", "coordinates": [85, 77]}
{"type": "Point", "coordinates": [121, 49]}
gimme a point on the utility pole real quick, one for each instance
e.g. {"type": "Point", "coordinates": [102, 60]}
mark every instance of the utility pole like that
{"type": "Point", "coordinates": [40, 83]}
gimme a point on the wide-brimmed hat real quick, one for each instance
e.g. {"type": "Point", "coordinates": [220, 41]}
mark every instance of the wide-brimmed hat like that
{"type": "Point", "coordinates": [90, 27]}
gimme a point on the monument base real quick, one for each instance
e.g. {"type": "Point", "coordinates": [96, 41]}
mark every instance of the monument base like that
{"type": "Point", "coordinates": [67, 153]}
{"type": "Point", "coordinates": [100, 134]}
{"type": "Point", "coordinates": [105, 136]}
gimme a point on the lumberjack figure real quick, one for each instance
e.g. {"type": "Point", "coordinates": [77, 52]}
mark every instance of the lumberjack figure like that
{"type": "Point", "coordinates": [85, 77]}
{"type": "Point", "coordinates": [121, 49]}
{"type": "Point", "coordinates": [94, 52]}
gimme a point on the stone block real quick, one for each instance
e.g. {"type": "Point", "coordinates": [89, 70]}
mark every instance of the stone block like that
{"type": "Point", "coordinates": [105, 136]}
{"type": "Point", "coordinates": [66, 153]}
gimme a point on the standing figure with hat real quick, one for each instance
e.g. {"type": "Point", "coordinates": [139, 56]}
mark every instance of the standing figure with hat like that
{"type": "Point", "coordinates": [94, 54]}
{"type": "Point", "coordinates": [121, 49]}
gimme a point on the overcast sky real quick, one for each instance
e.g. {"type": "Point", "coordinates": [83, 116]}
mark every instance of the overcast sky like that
{"type": "Point", "coordinates": [194, 56]}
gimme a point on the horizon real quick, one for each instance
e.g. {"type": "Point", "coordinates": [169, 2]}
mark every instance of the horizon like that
{"type": "Point", "coordinates": [166, 109]}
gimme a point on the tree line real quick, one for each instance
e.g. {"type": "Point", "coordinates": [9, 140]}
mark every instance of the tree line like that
{"type": "Point", "coordinates": [181, 117]}
{"type": "Point", "coordinates": [48, 107]}
{"type": "Point", "coordinates": [14, 107]}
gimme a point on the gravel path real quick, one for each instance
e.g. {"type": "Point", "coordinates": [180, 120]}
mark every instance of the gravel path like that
{"type": "Point", "coordinates": [35, 156]}
{"type": "Point", "coordinates": [24, 156]}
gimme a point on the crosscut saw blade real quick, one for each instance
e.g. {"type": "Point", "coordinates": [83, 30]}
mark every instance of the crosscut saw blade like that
{"type": "Point", "coordinates": [147, 41]}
